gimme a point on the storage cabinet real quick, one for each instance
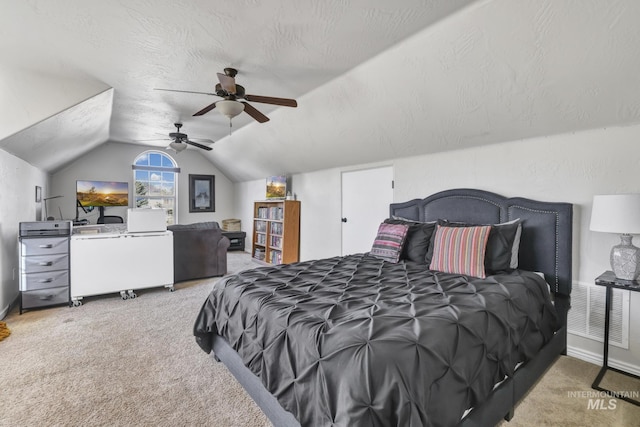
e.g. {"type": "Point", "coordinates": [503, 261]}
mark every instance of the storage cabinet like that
{"type": "Point", "coordinates": [44, 264]}
{"type": "Point", "coordinates": [276, 231]}
{"type": "Point", "coordinates": [109, 262]}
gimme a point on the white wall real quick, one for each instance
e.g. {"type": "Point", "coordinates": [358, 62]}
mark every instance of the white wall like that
{"type": "Point", "coordinates": [17, 204]}
{"type": "Point", "coordinates": [29, 97]}
{"type": "Point", "coordinates": [569, 167]}
{"type": "Point", "coordinates": [112, 162]}
{"type": "Point", "coordinates": [320, 210]}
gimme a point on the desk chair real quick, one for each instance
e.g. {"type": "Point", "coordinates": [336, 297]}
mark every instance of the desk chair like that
{"type": "Point", "coordinates": [110, 219]}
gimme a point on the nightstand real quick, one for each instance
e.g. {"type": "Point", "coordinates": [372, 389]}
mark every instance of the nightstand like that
{"type": "Point", "coordinates": [236, 240]}
{"type": "Point", "coordinates": [609, 280]}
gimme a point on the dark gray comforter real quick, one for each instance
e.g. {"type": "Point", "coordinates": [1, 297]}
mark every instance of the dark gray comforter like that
{"type": "Point", "coordinates": [356, 341]}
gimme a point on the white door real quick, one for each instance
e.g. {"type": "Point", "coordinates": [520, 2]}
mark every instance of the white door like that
{"type": "Point", "coordinates": [366, 195]}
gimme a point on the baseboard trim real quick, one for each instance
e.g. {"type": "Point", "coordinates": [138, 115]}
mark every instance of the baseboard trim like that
{"type": "Point", "coordinates": [5, 311]}
{"type": "Point", "coordinates": [596, 359]}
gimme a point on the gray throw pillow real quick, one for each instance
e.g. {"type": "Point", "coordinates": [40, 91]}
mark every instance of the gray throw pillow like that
{"type": "Point", "coordinates": [418, 239]}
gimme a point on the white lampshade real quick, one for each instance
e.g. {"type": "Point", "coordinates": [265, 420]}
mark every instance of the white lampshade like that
{"type": "Point", "coordinates": [230, 108]}
{"type": "Point", "coordinates": [178, 146]}
{"type": "Point", "coordinates": [617, 213]}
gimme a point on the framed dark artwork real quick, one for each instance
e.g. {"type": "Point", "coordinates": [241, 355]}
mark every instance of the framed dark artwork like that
{"type": "Point", "coordinates": [38, 194]}
{"type": "Point", "coordinates": [202, 197]}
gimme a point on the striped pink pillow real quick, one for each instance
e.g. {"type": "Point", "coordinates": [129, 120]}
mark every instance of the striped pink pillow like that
{"type": "Point", "coordinates": [460, 250]}
{"type": "Point", "coordinates": [389, 241]}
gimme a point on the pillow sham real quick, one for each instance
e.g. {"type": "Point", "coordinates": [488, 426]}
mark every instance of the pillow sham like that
{"type": "Point", "coordinates": [460, 250]}
{"type": "Point", "coordinates": [515, 249]}
{"type": "Point", "coordinates": [389, 241]}
{"type": "Point", "coordinates": [503, 244]}
{"type": "Point", "coordinates": [418, 238]}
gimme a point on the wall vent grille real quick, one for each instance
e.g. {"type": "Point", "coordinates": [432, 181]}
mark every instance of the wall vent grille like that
{"type": "Point", "coordinates": [586, 316]}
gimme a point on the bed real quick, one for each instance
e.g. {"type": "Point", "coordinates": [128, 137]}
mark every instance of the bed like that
{"type": "Point", "coordinates": [369, 340]}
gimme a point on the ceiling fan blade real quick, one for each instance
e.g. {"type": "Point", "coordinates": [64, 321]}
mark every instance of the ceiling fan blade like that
{"type": "Point", "coordinates": [270, 100]}
{"type": "Point", "coordinates": [228, 83]}
{"type": "Point", "coordinates": [195, 144]}
{"type": "Point", "coordinates": [257, 115]}
{"type": "Point", "coordinates": [202, 140]}
{"type": "Point", "coordinates": [186, 91]}
{"type": "Point", "coordinates": [206, 109]}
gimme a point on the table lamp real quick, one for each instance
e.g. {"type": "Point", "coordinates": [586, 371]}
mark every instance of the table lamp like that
{"type": "Point", "coordinates": [619, 213]}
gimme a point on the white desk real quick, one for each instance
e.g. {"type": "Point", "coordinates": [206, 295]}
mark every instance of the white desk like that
{"type": "Point", "coordinates": [105, 261]}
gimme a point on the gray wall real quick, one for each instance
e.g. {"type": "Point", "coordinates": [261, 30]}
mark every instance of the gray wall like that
{"type": "Point", "coordinates": [112, 162]}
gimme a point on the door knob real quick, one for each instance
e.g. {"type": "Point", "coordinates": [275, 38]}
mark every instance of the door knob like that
{"type": "Point", "coordinates": [344, 219]}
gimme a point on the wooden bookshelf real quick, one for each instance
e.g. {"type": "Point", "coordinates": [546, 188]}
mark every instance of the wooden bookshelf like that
{"type": "Point", "coordinates": [276, 231]}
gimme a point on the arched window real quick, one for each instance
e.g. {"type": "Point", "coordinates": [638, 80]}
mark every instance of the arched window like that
{"type": "Point", "coordinates": [155, 178]}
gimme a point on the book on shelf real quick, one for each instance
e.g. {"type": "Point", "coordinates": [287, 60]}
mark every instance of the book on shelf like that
{"type": "Point", "coordinates": [276, 257]}
{"type": "Point", "coordinates": [276, 213]}
{"type": "Point", "coordinates": [276, 228]}
{"type": "Point", "coordinates": [276, 242]}
{"type": "Point", "coordinates": [259, 254]}
{"type": "Point", "coordinates": [272, 213]}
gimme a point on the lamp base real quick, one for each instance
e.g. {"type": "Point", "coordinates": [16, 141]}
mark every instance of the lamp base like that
{"type": "Point", "coordinates": [625, 259]}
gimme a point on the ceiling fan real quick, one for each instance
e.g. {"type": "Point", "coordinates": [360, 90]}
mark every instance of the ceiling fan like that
{"type": "Point", "coordinates": [231, 92]}
{"type": "Point", "coordinates": [179, 140]}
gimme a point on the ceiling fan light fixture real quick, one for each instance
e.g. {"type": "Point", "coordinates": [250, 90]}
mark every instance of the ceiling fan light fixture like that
{"type": "Point", "coordinates": [177, 146]}
{"type": "Point", "coordinates": [229, 107]}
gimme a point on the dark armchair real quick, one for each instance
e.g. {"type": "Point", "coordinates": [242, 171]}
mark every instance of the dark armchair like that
{"type": "Point", "coordinates": [199, 250]}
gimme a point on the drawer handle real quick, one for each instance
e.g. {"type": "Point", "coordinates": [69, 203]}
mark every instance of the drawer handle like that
{"type": "Point", "coordinates": [49, 246]}
{"type": "Point", "coordinates": [45, 280]}
{"type": "Point", "coordinates": [46, 264]}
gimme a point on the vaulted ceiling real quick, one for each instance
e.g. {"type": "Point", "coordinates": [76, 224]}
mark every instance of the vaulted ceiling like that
{"type": "Point", "coordinates": [374, 79]}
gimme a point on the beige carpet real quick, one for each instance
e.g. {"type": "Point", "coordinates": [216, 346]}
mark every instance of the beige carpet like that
{"type": "Point", "coordinates": [130, 363]}
{"type": "Point", "coordinates": [4, 330]}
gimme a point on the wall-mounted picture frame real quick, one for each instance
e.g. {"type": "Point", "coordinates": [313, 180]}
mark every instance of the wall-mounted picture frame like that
{"type": "Point", "coordinates": [202, 197]}
{"type": "Point", "coordinates": [38, 194]}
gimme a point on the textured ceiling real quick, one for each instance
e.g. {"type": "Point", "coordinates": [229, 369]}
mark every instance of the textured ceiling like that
{"type": "Point", "coordinates": [374, 79]}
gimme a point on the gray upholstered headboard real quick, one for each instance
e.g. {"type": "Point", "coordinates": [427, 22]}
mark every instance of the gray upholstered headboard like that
{"type": "Point", "coordinates": [545, 245]}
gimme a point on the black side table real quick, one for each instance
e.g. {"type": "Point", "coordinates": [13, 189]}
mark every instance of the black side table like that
{"type": "Point", "coordinates": [236, 240]}
{"type": "Point", "coordinates": [609, 280]}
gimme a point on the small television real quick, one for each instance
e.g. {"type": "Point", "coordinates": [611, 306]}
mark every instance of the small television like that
{"type": "Point", "coordinates": [102, 193]}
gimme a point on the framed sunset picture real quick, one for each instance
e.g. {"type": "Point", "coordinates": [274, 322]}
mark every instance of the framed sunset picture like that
{"type": "Point", "coordinates": [277, 187]}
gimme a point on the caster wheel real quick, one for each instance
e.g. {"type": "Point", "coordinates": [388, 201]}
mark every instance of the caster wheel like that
{"type": "Point", "coordinates": [172, 289]}
{"type": "Point", "coordinates": [77, 303]}
{"type": "Point", "coordinates": [132, 294]}
{"type": "Point", "coordinates": [124, 295]}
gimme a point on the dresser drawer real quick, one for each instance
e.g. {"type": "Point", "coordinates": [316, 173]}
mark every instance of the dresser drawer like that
{"type": "Point", "coordinates": [45, 297]}
{"type": "Point", "coordinates": [35, 264]}
{"type": "Point", "coordinates": [44, 280]}
{"type": "Point", "coordinates": [44, 245]}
